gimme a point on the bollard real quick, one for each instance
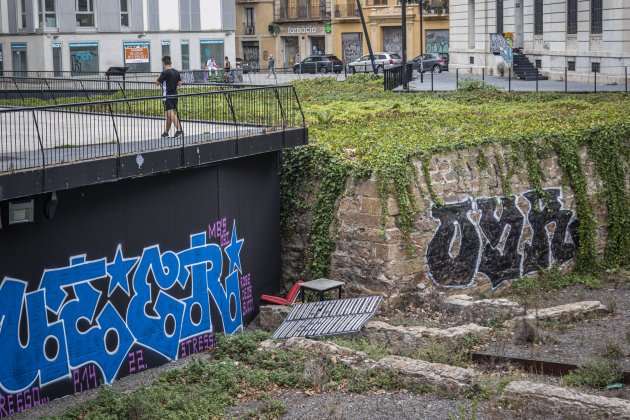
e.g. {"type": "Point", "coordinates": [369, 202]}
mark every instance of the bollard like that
{"type": "Point", "coordinates": [483, 74]}
{"type": "Point", "coordinates": [566, 87]}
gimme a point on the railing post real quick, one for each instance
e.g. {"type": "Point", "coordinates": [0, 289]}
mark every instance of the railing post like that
{"type": "Point", "coordinates": [41, 149]}
{"type": "Point", "coordinates": [432, 81]}
{"type": "Point", "coordinates": [483, 74]}
{"type": "Point", "coordinates": [536, 78]}
{"type": "Point", "coordinates": [595, 83]}
{"type": "Point", "coordinates": [509, 79]}
{"type": "Point", "coordinates": [566, 82]}
{"type": "Point", "coordinates": [18, 89]}
{"type": "Point", "coordinates": [84, 91]}
{"type": "Point", "coordinates": [284, 117]}
{"type": "Point", "coordinates": [228, 99]}
{"type": "Point", "coordinates": [51, 91]}
{"type": "Point", "coordinates": [111, 114]}
{"type": "Point", "coordinates": [626, 79]}
{"type": "Point", "coordinates": [457, 78]}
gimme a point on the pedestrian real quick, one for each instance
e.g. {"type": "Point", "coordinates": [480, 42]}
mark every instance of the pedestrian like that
{"type": "Point", "coordinates": [272, 67]}
{"type": "Point", "coordinates": [170, 79]}
{"type": "Point", "coordinates": [227, 66]}
{"type": "Point", "coordinates": [211, 66]}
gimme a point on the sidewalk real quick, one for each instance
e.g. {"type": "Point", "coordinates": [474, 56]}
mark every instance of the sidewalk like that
{"type": "Point", "coordinates": [448, 81]}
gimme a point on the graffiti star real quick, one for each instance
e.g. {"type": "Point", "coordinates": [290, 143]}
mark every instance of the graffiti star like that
{"type": "Point", "coordinates": [119, 270]}
{"type": "Point", "coordinates": [233, 250]}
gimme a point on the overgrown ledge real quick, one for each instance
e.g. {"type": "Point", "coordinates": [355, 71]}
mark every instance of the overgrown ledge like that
{"type": "Point", "coordinates": [463, 189]}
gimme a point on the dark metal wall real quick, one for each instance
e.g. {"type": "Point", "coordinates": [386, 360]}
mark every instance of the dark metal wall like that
{"type": "Point", "coordinates": [132, 274]}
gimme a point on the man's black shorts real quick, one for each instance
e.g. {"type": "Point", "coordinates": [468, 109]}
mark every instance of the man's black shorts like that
{"type": "Point", "coordinates": [170, 103]}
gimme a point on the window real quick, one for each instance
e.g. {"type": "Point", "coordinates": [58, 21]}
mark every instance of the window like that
{"type": "Point", "coordinates": [499, 16]}
{"type": "Point", "coordinates": [48, 16]}
{"type": "Point", "coordinates": [137, 55]}
{"type": "Point", "coordinates": [249, 20]}
{"type": "Point", "coordinates": [85, 13]}
{"type": "Point", "coordinates": [22, 22]}
{"type": "Point", "coordinates": [596, 16]}
{"type": "Point", "coordinates": [572, 15]}
{"type": "Point", "coordinates": [211, 48]}
{"type": "Point", "coordinates": [166, 48]}
{"type": "Point", "coordinates": [18, 55]}
{"type": "Point", "coordinates": [56, 50]}
{"type": "Point", "coordinates": [538, 17]}
{"type": "Point", "coordinates": [571, 65]}
{"type": "Point", "coordinates": [83, 57]}
{"type": "Point", "coordinates": [124, 13]}
{"type": "Point", "coordinates": [471, 60]}
{"type": "Point", "coordinates": [185, 55]}
{"type": "Point", "coordinates": [538, 64]}
{"type": "Point", "coordinates": [595, 67]}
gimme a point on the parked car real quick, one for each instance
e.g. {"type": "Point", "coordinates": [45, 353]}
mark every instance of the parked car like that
{"type": "Point", "coordinates": [430, 62]}
{"type": "Point", "coordinates": [246, 66]}
{"type": "Point", "coordinates": [382, 60]}
{"type": "Point", "coordinates": [319, 64]}
{"type": "Point", "coordinates": [445, 56]}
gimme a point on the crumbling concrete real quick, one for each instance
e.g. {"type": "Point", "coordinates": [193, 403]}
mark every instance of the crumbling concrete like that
{"type": "Point", "coordinates": [484, 310]}
{"type": "Point", "coordinates": [412, 339]}
{"type": "Point", "coordinates": [563, 402]}
{"type": "Point", "coordinates": [577, 310]}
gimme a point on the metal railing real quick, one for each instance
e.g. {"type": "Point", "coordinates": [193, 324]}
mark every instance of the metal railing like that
{"type": "Point", "coordinates": [347, 9]}
{"type": "Point", "coordinates": [393, 76]}
{"type": "Point", "coordinates": [302, 9]}
{"type": "Point", "coordinates": [44, 136]}
{"type": "Point", "coordinates": [549, 79]}
{"type": "Point", "coordinates": [132, 76]}
{"type": "Point", "coordinates": [24, 91]}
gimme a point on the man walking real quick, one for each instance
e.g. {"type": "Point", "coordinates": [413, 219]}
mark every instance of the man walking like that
{"type": "Point", "coordinates": [272, 67]}
{"type": "Point", "coordinates": [170, 79]}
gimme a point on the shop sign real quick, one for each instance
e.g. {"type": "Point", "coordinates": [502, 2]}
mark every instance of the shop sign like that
{"type": "Point", "coordinates": [304, 29]}
{"type": "Point", "coordinates": [136, 52]}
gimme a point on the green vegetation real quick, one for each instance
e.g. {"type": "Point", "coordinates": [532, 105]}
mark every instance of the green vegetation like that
{"type": "Point", "coordinates": [373, 351]}
{"type": "Point", "coordinates": [357, 129]}
{"type": "Point", "coordinates": [236, 370]}
{"type": "Point", "coordinates": [594, 374]}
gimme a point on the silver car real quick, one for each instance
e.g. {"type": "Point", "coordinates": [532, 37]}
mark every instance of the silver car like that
{"type": "Point", "coordinates": [382, 60]}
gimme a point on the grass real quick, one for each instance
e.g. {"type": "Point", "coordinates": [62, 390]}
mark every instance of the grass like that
{"type": "Point", "coordinates": [594, 374]}
{"type": "Point", "coordinates": [373, 351]}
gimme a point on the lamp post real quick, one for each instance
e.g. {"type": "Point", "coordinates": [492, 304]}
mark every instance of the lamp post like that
{"type": "Point", "coordinates": [404, 43]}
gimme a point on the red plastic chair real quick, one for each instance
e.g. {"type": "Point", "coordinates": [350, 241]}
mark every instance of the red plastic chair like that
{"type": "Point", "coordinates": [288, 300]}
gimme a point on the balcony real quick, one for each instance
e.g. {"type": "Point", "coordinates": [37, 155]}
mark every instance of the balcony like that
{"type": "Point", "coordinates": [346, 10]}
{"type": "Point", "coordinates": [249, 29]}
{"type": "Point", "coordinates": [303, 10]}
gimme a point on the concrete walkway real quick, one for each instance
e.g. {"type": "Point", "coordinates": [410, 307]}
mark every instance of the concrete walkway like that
{"type": "Point", "coordinates": [73, 136]}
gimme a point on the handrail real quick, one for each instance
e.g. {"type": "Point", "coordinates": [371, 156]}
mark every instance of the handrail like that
{"type": "Point", "coordinates": [115, 101]}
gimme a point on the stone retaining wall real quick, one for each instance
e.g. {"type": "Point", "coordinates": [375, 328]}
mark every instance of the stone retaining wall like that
{"type": "Point", "coordinates": [462, 244]}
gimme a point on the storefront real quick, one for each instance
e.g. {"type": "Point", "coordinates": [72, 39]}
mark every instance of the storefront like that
{"type": "Point", "coordinates": [18, 56]}
{"type": "Point", "coordinates": [137, 56]}
{"type": "Point", "coordinates": [84, 57]}
{"type": "Point", "coordinates": [298, 41]}
{"type": "Point", "coordinates": [211, 48]}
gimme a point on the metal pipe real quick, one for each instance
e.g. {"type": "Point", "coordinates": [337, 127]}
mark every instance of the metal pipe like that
{"type": "Point", "coordinates": [403, 5]}
{"type": "Point", "coordinates": [367, 36]}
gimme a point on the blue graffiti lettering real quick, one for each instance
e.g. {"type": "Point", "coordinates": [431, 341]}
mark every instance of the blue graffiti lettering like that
{"type": "Point", "coordinates": [69, 328]}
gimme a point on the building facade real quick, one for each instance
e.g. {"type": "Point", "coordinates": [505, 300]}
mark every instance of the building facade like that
{"type": "Point", "coordinates": [301, 28]}
{"type": "Point", "coordinates": [92, 35]}
{"type": "Point", "coordinates": [254, 41]}
{"type": "Point", "coordinates": [383, 20]}
{"type": "Point", "coordinates": [576, 36]}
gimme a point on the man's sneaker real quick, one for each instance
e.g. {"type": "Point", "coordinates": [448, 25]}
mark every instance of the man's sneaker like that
{"type": "Point", "coordinates": [164, 135]}
{"type": "Point", "coordinates": [178, 134]}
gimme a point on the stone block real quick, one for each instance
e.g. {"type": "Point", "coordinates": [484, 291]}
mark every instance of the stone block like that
{"type": "Point", "coordinates": [558, 402]}
{"type": "Point", "coordinates": [271, 316]}
{"type": "Point", "coordinates": [577, 310]}
{"type": "Point", "coordinates": [371, 206]}
{"type": "Point", "coordinates": [368, 189]}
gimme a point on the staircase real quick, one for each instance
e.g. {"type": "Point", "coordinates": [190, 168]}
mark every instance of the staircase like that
{"type": "Point", "coordinates": [524, 69]}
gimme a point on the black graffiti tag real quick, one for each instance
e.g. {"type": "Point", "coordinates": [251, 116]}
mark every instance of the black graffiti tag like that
{"type": "Point", "coordinates": [505, 264]}
{"type": "Point", "coordinates": [542, 251]}
{"type": "Point", "coordinates": [491, 246]}
{"type": "Point", "coordinates": [445, 268]}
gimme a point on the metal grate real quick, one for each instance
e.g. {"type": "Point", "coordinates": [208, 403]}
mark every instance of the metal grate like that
{"type": "Point", "coordinates": [331, 317]}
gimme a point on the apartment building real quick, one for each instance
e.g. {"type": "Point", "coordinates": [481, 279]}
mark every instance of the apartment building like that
{"type": "Point", "coordinates": [301, 28]}
{"type": "Point", "coordinates": [384, 24]}
{"type": "Point", "coordinates": [92, 35]}
{"type": "Point", "coordinates": [576, 36]}
{"type": "Point", "coordinates": [254, 39]}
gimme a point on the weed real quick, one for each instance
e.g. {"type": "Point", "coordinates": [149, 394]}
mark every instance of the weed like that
{"type": "Point", "coordinates": [612, 351]}
{"type": "Point", "coordinates": [446, 354]}
{"type": "Point", "coordinates": [273, 409]}
{"type": "Point", "coordinates": [373, 351]}
{"type": "Point", "coordinates": [525, 332]}
{"type": "Point", "coordinates": [595, 374]}
{"type": "Point", "coordinates": [611, 305]}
